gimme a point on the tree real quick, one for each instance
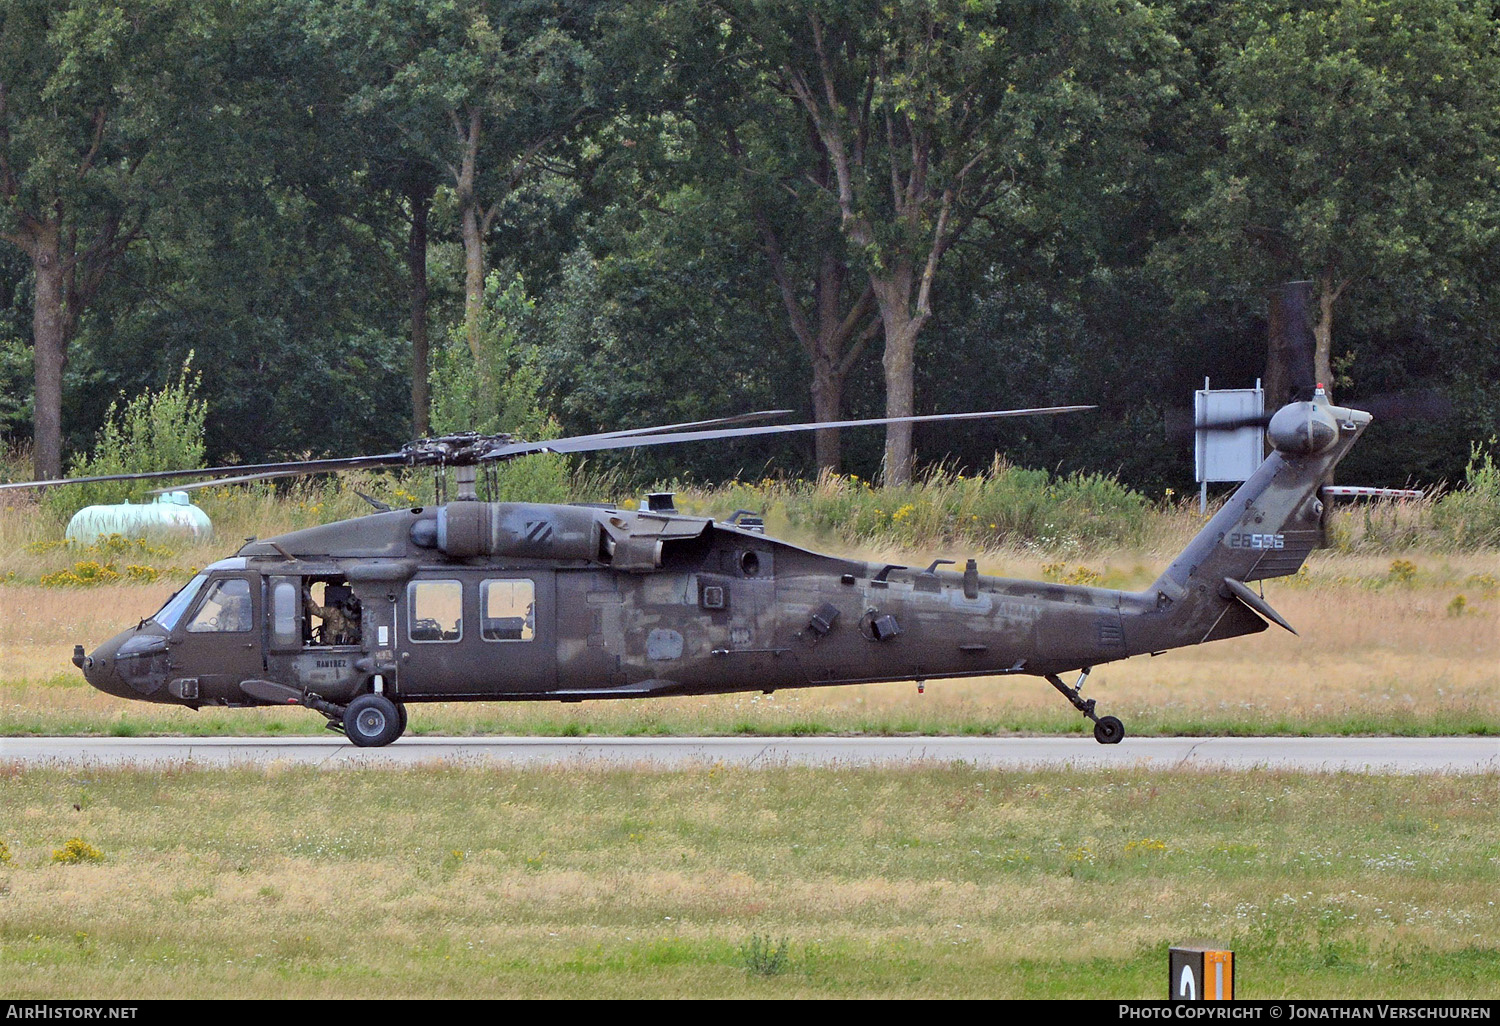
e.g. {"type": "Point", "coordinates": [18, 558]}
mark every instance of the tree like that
{"type": "Point", "coordinates": [349, 154]}
{"type": "Point", "coordinates": [934, 113]}
{"type": "Point", "coordinates": [1341, 142]}
{"type": "Point", "coordinates": [463, 396]}
{"type": "Point", "coordinates": [89, 94]}
{"type": "Point", "coordinates": [480, 89]}
{"type": "Point", "coordinates": [736, 139]}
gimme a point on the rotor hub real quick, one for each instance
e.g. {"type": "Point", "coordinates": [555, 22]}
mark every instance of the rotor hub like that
{"type": "Point", "coordinates": [461, 450]}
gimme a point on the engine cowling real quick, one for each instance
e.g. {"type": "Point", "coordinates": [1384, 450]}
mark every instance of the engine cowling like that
{"type": "Point", "coordinates": [465, 529]}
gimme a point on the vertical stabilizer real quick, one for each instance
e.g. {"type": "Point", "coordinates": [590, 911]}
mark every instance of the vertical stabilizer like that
{"type": "Point", "coordinates": [1266, 529]}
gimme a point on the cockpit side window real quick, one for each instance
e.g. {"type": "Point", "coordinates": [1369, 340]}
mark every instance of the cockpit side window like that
{"type": "Point", "coordinates": [226, 608]}
{"type": "Point", "coordinates": [177, 604]}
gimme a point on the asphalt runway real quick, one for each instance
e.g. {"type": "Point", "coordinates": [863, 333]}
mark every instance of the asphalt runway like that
{"type": "Point", "coordinates": [1452, 755]}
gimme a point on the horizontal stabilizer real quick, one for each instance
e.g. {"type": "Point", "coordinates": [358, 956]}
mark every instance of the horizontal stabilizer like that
{"type": "Point", "coordinates": [1241, 591]}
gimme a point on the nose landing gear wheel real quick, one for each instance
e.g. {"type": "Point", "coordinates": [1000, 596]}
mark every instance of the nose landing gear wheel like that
{"type": "Point", "coordinates": [371, 721]}
{"type": "Point", "coordinates": [1108, 730]}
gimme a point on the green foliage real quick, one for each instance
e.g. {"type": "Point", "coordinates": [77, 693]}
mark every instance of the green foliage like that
{"type": "Point", "coordinates": [1006, 504]}
{"type": "Point", "coordinates": [160, 430]}
{"type": "Point", "coordinates": [1342, 140]}
{"type": "Point", "coordinates": [499, 386]}
{"type": "Point", "coordinates": [15, 386]}
{"type": "Point", "coordinates": [1470, 517]}
{"type": "Point", "coordinates": [575, 324]}
{"type": "Point", "coordinates": [762, 957]}
{"type": "Point", "coordinates": [664, 146]}
{"type": "Point", "coordinates": [499, 389]}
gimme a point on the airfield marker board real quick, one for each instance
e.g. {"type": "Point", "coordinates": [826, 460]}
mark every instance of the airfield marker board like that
{"type": "Point", "coordinates": [1200, 973]}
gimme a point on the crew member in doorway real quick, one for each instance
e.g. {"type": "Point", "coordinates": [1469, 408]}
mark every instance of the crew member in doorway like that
{"type": "Point", "coordinates": [340, 612]}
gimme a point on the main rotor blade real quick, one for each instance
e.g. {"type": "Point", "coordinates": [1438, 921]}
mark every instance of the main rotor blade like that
{"type": "Point", "coordinates": [595, 443]}
{"type": "Point", "coordinates": [290, 468]}
{"type": "Point", "coordinates": [689, 425]}
{"type": "Point", "coordinates": [302, 469]}
{"type": "Point", "coordinates": [474, 449]}
{"type": "Point", "coordinates": [1259, 420]}
{"type": "Point", "coordinates": [392, 459]}
{"type": "Point", "coordinates": [242, 479]}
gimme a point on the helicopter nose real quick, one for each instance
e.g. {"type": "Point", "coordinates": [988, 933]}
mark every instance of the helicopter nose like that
{"type": "Point", "coordinates": [99, 669]}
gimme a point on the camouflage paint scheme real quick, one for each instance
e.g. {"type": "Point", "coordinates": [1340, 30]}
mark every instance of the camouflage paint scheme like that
{"type": "Point", "coordinates": [634, 603]}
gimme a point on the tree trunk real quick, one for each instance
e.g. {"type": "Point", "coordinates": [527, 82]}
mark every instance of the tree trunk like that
{"type": "Point", "coordinates": [893, 294]}
{"type": "Point", "coordinates": [1289, 357]}
{"type": "Point", "coordinates": [420, 198]}
{"type": "Point", "coordinates": [489, 389]}
{"type": "Point", "coordinates": [50, 354]}
{"type": "Point", "coordinates": [827, 398]}
{"type": "Point", "coordinates": [473, 280]}
{"type": "Point", "coordinates": [833, 339]}
{"type": "Point", "coordinates": [1328, 294]}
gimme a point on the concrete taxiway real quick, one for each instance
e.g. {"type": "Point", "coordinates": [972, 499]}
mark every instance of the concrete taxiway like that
{"type": "Point", "coordinates": [1452, 755]}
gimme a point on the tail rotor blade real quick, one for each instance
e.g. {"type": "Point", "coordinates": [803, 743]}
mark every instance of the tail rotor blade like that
{"type": "Point", "coordinates": [1180, 426]}
{"type": "Point", "coordinates": [1415, 405]}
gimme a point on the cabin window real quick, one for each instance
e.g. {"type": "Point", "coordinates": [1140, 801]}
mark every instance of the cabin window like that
{"type": "Point", "coordinates": [435, 610]}
{"type": "Point", "coordinates": [284, 612]}
{"type": "Point", "coordinates": [226, 608]}
{"type": "Point", "coordinates": [508, 610]}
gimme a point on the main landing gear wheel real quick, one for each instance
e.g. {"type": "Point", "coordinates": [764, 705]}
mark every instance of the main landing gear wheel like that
{"type": "Point", "coordinates": [401, 718]}
{"type": "Point", "coordinates": [1108, 730]}
{"type": "Point", "coordinates": [371, 721]}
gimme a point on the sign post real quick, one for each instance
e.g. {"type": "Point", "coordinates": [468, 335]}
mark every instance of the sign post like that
{"type": "Point", "coordinates": [1226, 455]}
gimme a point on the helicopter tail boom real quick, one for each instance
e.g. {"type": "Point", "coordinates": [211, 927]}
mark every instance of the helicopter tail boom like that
{"type": "Point", "coordinates": [1267, 529]}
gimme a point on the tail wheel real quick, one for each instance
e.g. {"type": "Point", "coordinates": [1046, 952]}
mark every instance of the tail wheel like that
{"type": "Point", "coordinates": [1108, 730]}
{"type": "Point", "coordinates": [371, 721]}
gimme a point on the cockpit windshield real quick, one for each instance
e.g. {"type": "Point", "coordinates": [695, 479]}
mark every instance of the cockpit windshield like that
{"type": "Point", "coordinates": [177, 604]}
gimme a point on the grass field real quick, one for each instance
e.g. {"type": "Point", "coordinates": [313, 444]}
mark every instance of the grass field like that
{"type": "Point", "coordinates": [939, 881]}
{"type": "Point", "coordinates": [1380, 651]}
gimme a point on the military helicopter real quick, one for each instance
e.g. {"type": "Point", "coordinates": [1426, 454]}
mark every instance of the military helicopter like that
{"type": "Point", "coordinates": [470, 600]}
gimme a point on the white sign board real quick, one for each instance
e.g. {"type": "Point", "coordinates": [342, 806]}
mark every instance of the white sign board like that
{"type": "Point", "coordinates": [1228, 455]}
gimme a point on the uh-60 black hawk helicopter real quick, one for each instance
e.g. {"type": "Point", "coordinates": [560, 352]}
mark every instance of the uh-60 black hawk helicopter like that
{"type": "Point", "coordinates": [501, 601]}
